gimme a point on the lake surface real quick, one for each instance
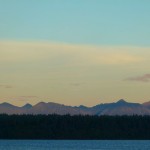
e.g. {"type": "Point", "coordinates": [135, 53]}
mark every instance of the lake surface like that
{"type": "Point", "coordinates": [73, 145]}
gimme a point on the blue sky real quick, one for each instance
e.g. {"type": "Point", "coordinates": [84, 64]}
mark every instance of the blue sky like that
{"type": "Point", "coordinates": [100, 22]}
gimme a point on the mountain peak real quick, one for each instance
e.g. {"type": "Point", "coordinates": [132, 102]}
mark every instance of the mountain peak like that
{"type": "Point", "coordinates": [121, 101]}
{"type": "Point", "coordinates": [27, 106]}
{"type": "Point", "coordinates": [5, 104]}
{"type": "Point", "coordinates": [40, 104]}
{"type": "Point", "coordinates": [82, 106]}
{"type": "Point", "coordinates": [146, 104]}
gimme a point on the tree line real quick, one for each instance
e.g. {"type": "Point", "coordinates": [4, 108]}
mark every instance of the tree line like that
{"type": "Point", "coordinates": [74, 127]}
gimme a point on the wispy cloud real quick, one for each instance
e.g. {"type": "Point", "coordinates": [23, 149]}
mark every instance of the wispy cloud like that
{"type": "Point", "coordinates": [28, 96]}
{"type": "Point", "coordinates": [26, 52]}
{"type": "Point", "coordinates": [77, 84]}
{"type": "Point", "coordinates": [24, 98]}
{"type": "Point", "coordinates": [144, 78]}
{"type": "Point", "coordinates": [6, 86]}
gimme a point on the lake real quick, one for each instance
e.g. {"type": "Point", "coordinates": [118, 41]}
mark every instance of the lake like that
{"type": "Point", "coordinates": [73, 145]}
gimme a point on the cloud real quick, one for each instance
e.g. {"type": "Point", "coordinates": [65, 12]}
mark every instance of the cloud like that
{"type": "Point", "coordinates": [144, 78]}
{"type": "Point", "coordinates": [24, 98]}
{"type": "Point", "coordinates": [71, 54]}
{"type": "Point", "coordinates": [76, 84]}
{"type": "Point", "coordinates": [116, 58]}
{"type": "Point", "coordinates": [6, 86]}
{"type": "Point", "coordinates": [28, 97]}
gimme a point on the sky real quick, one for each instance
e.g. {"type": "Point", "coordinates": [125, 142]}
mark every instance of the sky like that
{"type": "Point", "coordinates": [74, 52]}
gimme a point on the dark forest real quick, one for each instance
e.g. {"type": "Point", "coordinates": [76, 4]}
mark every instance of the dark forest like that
{"type": "Point", "coordinates": [74, 127]}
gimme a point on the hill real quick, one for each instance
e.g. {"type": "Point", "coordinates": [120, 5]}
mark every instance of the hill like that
{"type": "Point", "coordinates": [120, 107]}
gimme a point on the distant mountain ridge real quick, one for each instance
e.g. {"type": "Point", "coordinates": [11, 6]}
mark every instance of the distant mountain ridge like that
{"type": "Point", "coordinates": [120, 107]}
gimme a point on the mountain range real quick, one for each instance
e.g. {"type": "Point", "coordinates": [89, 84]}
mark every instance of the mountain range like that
{"type": "Point", "coordinates": [120, 107]}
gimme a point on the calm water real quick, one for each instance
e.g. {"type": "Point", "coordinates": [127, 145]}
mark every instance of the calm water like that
{"type": "Point", "coordinates": [73, 145]}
